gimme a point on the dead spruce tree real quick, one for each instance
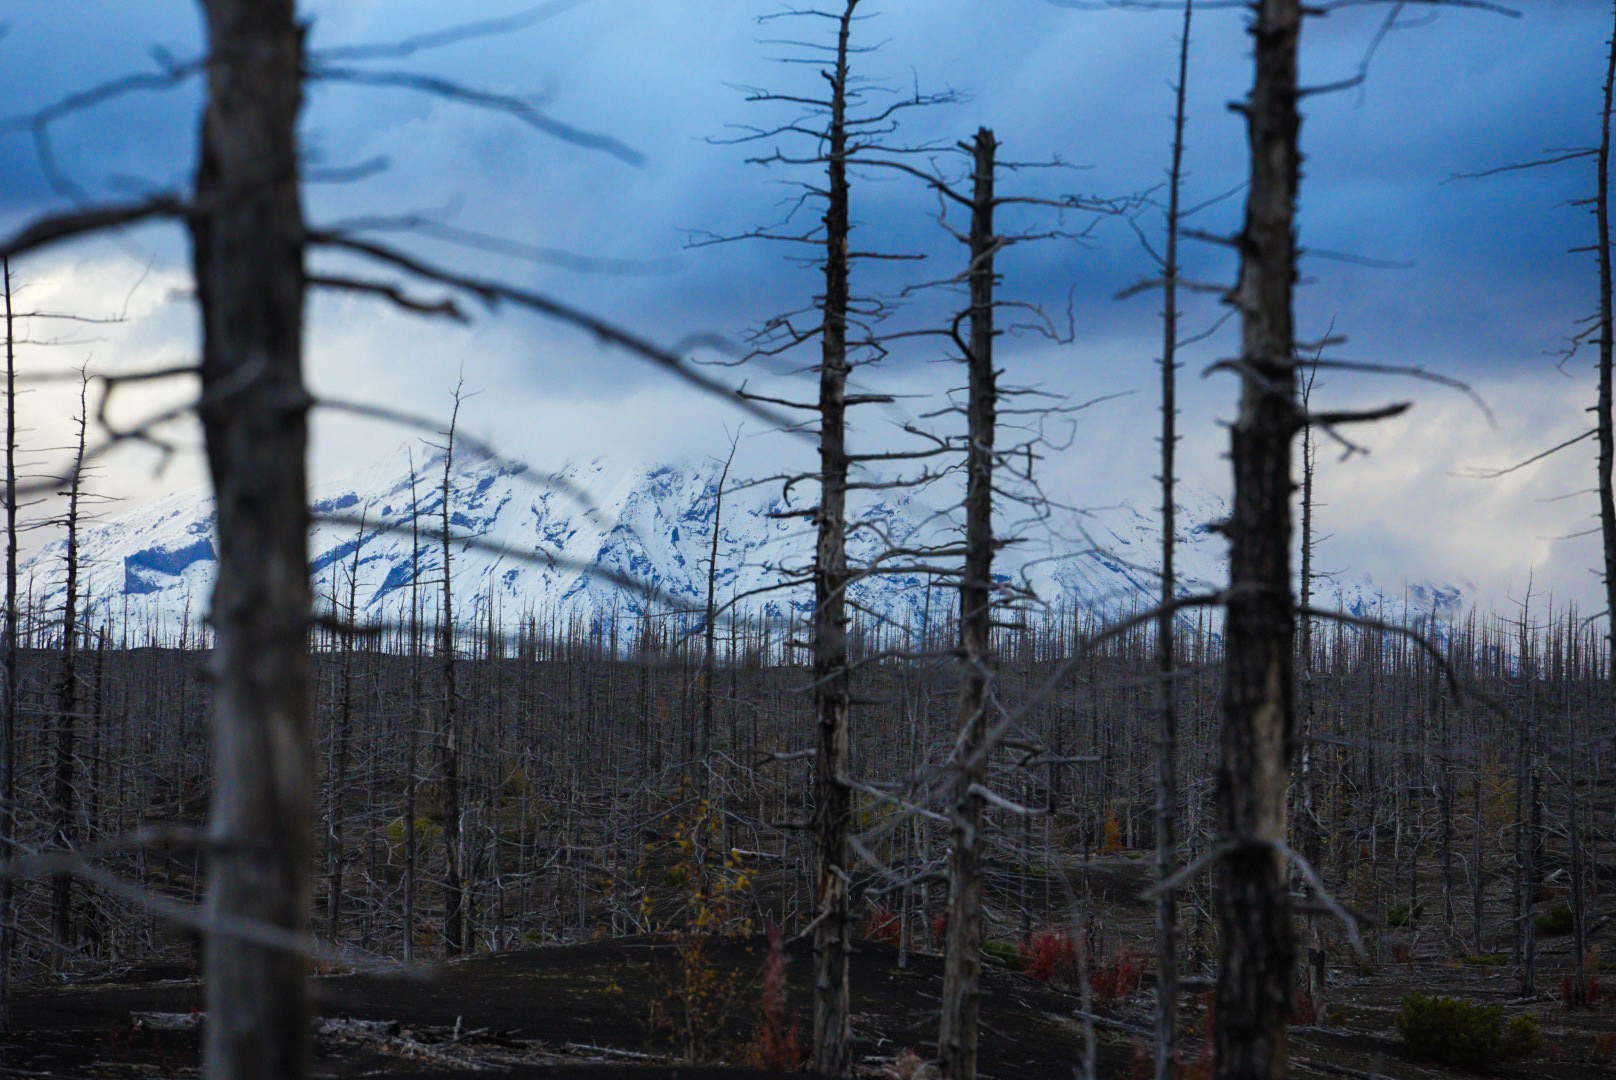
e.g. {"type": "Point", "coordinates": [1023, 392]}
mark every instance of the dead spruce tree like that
{"type": "Point", "coordinates": [962, 955]}
{"type": "Point", "coordinates": [1257, 940]}
{"type": "Point", "coordinates": [843, 139]}
{"type": "Point", "coordinates": [995, 473]}
{"type": "Point", "coordinates": [833, 803]}
{"type": "Point", "coordinates": [709, 652]}
{"type": "Point", "coordinates": [454, 915]}
{"type": "Point", "coordinates": [8, 721]}
{"type": "Point", "coordinates": [65, 827]}
{"type": "Point", "coordinates": [1167, 935]}
{"type": "Point", "coordinates": [1603, 408]}
{"type": "Point", "coordinates": [341, 741]}
{"type": "Point", "coordinates": [248, 237]}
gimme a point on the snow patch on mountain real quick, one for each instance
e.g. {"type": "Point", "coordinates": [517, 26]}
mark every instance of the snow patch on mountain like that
{"type": "Point", "coordinates": [527, 543]}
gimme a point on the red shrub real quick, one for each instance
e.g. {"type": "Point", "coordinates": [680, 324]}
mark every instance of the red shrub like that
{"type": "Point", "coordinates": [1120, 976]}
{"type": "Point", "coordinates": [1593, 991]}
{"type": "Point", "coordinates": [774, 1046]}
{"type": "Point", "coordinates": [883, 927]}
{"type": "Point", "coordinates": [939, 928]}
{"type": "Point", "coordinates": [1050, 951]}
{"type": "Point", "coordinates": [1605, 1045]}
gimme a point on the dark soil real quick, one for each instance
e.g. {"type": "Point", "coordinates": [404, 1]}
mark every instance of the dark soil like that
{"type": "Point", "coordinates": [561, 1011]}
{"type": "Point", "coordinates": [592, 1011]}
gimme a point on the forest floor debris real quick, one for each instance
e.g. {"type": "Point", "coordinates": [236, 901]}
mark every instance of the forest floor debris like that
{"type": "Point", "coordinates": [584, 1012]}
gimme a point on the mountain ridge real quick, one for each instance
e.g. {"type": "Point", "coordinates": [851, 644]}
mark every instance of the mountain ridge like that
{"type": "Point", "coordinates": [565, 541]}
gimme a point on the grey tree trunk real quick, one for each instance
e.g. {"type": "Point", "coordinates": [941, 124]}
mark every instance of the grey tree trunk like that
{"type": "Point", "coordinates": [1578, 998]}
{"type": "Point", "coordinates": [1258, 946]}
{"type": "Point", "coordinates": [411, 753]}
{"type": "Point", "coordinates": [1308, 831]}
{"type": "Point", "coordinates": [8, 723]}
{"type": "Point", "coordinates": [710, 628]}
{"type": "Point", "coordinates": [1167, 705]}
{"type": "Point", "coordinates": [341, 738]}
{"type": "Point", "coordinates": [65, 827]}
{"type": "Point", "coordinates": [833, 804]}
{"type": "Point", "coordinates": [247, 234]}
{"type": "Point", "coordinates": [962, 958]}
{"type": "Point", "coordinates": [1603, 410]}
{"type": "Point", "coordinates": [454, 911]}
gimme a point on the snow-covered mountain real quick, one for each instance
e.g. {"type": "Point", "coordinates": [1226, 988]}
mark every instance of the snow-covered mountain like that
{"type": "Point", "coordinates": [598, 536]}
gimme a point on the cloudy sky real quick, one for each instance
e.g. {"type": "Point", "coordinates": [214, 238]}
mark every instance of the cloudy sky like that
{"type": "Point", "coordinates": [1471, 278]}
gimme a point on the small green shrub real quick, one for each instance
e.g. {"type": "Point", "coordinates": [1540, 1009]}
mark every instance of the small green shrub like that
{"type": "Point", "coordinates": [1487, 959]}
{"type": "Point", "coordinates": [1005, 951]}
{"type": "Point", "coordinates": [1557, 920]}
{"type": "Point", "coordinates": [1453, 1031]}
{"type": "Point", "coordinates": [1521, 1037]}
{"type": "Point", "coordinates": [1403, 915]}
{"type": "Point", "coordinates": [425, 829]}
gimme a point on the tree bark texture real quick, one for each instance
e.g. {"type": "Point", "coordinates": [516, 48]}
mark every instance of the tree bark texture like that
{"type": "Point", "coordinates": [65, 827]}
{"type": "Point", "coordinates": [247, 235]}
{"type": "Point", "coordinates": [957, 1038]}
{"type": "Point", "coordinates": [1166, 1049]}
{"type": "Point", "coordinates": [454, 909]}
{"type": "Point", "coordinates": [833, 804]}
{"type": "Point", "coordinates": [8, 723]}
{"type": "Point", "coordinates": [1258, 947]}
{"type": "Point", "coordinates": [1606, 431]}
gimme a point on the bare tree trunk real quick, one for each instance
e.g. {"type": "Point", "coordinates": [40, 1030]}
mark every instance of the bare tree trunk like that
{"type": "Point", "coordinates": [247, 235]}
{"type": "Point", "coordinates": [707, 653]}
{"type": "Point", "coordinates": [1254, 994]}
{"type": "Point", "coordinates": [67, 704]}
{"type": "Point", "coordinates": [962, 960]}
{"type": "Point", "coordinates": [454, 918]}
{"type": "Point", "coordinates": [413, 723]}
{"type": "Point", "coordinates": [1606, 432]}
{"type": "Point", "coordinates": [8, 724]}
{"type": "Point", "coordinates": [336, 824]}
{"type": "Point", "coordinates": [1308, 830]}
{"type": "Point", "coordinates": [1167, 710]}
{"type": "Point", "coordinates": [833, 805]}
{"type": "Point", "coordinates": [1579, 916]}
{"type": "Point", "coordinates": [1478, 932]}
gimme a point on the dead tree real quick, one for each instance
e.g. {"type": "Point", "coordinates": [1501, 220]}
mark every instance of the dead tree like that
{"type": "Point", "coordinates": [839, 141]}
{"type": "Point", "coordinates": [957, 1035]}
{"type": "Point", "coordinates": [454, 919]}
{"type": "Point", "coordinates": [1308, 829]}
{"type": "Point", "coordinates": [710, 617]}
{"type": "Point", "coordinates": [65, 827]}
{"type": "Point", "coordinates": [1166, 1049]}
{"type": "Point", "coordinates": [248, 237]}
{"type": "Point", "coordinates": [341, 745]}
{"type": "Point", "coordinates": [833, 802]}
{"type": "Point", "coordinates": [1258, 946]}
{"type": "Point", "coordinates": [8, 723]}
{"type": "Point", "coordinates": [1607, 349]}
{"type": "Point", "coordinates": [412, 722]}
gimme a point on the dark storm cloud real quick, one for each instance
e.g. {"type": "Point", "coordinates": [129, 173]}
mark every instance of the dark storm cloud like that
{"type": "Point", "coordinates": [1465, 92]}
{"type": "Point", "coordinates": [1488, 289]}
